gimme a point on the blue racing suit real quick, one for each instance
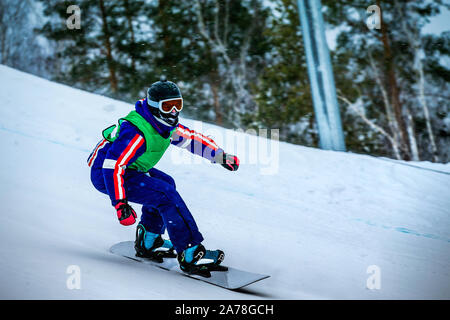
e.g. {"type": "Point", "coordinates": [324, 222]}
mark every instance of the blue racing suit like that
{"type": "Point", "coordinates": [163, 206]}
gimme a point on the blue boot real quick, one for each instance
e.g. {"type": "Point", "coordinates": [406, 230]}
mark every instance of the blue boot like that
{"type": "Point", "coordinates": [198, 260]}
{"type": "Point", "coordinates": [151, 245]}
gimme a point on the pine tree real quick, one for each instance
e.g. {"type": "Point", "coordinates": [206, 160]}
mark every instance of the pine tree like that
{"type": "Point", "coordinates": [378, 78]}
{"type": "Point", "coordinates": [212, 50]}
{"type": "Point", "coordinates": [102, 55]}
{"type": "Point", "coordinates": [19, 47]}
{"type": "Point", "coordinates": [283, 91]}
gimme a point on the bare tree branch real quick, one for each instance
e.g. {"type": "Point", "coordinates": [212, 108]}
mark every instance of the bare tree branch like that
{"type": "Point", "coordinates": [413, 36]}
{"type": "Point", "coordinates": [392, 122]}
{"type": "Point", "coordinates": [225, 22]}
{"type": "Point", "coordinates": [374, 126]}
{"type": "Point", "coordinates": [236, 72]}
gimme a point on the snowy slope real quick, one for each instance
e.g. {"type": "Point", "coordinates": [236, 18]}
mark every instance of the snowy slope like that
{"type": "Point", "coordinates": [315, 224]}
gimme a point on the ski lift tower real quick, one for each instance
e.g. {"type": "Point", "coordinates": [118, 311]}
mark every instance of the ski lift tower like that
{"type": "Point", "coordinates": [320, 73]}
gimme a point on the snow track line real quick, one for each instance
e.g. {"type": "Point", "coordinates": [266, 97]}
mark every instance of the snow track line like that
{"type": "Point", "coordinates": [402, 230]}
{"type": "Point", "coordinates": [27, 135]}
{"type": "Point", "coordinates": [413, 166]}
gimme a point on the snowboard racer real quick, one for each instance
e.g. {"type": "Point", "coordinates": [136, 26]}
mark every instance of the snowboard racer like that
{"type": "Point", "coordinates": [123, 167]}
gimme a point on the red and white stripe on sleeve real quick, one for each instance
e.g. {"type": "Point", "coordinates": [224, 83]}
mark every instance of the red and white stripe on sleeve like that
{"type": "Point", "coordinates": [94, 153]}
{"type": "Point", "coordinates": [190, 135]}
{"type": "Point", "coordinates": [122, 161]}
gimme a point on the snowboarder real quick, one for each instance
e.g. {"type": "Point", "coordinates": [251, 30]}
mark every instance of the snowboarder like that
{"type": "Point", "coordinates": [123, 167]}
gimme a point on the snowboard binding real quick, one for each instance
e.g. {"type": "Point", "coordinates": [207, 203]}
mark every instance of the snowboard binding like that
{"type": "Point", "coordinates": [157, 252]}
{"type": "Point", "coordinates": [203, 262]}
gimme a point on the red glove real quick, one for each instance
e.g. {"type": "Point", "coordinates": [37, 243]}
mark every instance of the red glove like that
{"type": "Point", "coordinates": [125, 213]}
{"type": "Point", "coordinates": [227, 161]}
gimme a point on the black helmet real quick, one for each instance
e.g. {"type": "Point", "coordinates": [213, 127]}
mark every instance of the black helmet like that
{"type": "Point", "coordinates": [160, 91]}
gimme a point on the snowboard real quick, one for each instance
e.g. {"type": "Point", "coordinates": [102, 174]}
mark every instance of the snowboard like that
{"type": "Point", "coordinates": [232, 279]}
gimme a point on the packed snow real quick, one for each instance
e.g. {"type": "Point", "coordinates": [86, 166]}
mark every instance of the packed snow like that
{"type": "Point", "coordinates": [322, 224]}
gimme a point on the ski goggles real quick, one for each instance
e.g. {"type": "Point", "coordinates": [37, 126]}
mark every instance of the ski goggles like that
{"type": "Point", "coordinates": [167, 105]}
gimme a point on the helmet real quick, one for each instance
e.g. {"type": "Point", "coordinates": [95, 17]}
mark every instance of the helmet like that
{"type": "Point", "coordinates": [158, 92]}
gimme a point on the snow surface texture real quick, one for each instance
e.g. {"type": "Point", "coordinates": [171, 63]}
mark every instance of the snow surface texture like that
{"type": "Point", "coordinates": [316, 224]}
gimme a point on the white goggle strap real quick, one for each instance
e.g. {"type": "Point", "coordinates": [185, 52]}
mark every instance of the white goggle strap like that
{"type": "Point", "coordinates": [152, 103]}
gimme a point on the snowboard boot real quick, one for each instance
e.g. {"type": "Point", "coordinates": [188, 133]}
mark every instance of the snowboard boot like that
{"type": "Point", "coordinates": [198, 260]}
{"type": "Point", "coordinates": [152, 245]}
